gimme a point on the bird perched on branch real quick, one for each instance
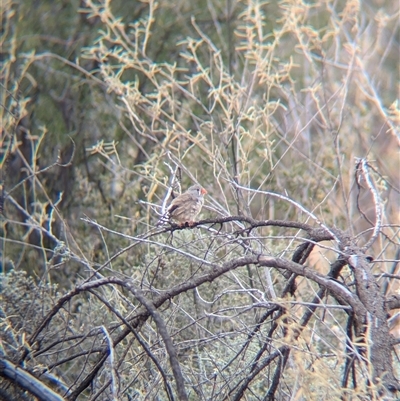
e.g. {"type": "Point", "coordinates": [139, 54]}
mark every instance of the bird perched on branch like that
{"type": "Point", "coordinates": [186, 207]}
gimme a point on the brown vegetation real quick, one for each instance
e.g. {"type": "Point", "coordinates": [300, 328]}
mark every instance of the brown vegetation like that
{"type": "Point", "coordinates": [288, 286]}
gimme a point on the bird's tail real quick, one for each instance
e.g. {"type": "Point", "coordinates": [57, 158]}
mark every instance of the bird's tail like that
{"type": "Point", "coordinates": [164, 219]}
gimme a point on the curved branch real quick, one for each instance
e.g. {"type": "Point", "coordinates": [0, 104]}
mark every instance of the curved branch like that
{"type": "Point", "coordinates": [296, 204]}
{"type": "Point", "coordinates": [278, 353]}
{"type": "Point", "coordinates": [162, 328]}
{"type": "Point", "coordinates": [363, 167]}
{"type": "Point", "coordinates": [140, 341]}
{"type": "Point", "coordinates": [252, 222]}
{"type": "Point", "coordinates": [335, 287]}
{"type": "Point", "coordinates": [22, 379]}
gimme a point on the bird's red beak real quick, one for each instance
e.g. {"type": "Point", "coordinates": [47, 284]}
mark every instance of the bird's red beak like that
{"type": "Point", "coordinates": [203, 191]}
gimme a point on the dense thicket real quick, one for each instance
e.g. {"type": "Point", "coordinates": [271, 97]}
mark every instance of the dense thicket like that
{"type": "Point", "coordinates": [287, 113]}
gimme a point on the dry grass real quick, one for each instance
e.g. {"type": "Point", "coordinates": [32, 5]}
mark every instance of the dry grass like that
{"type": "Point", "coordinates": [283, 111]}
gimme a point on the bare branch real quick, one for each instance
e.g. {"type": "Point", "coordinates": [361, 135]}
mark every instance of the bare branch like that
{"type": "Point", "coordinates": [26, 381]}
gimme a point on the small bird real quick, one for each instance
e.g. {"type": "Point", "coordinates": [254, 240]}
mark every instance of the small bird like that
{"type": "Point", "coordinates": [186, 207]}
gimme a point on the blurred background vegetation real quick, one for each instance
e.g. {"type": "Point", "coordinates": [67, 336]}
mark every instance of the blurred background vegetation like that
{"type": "Point", "coordinates": [279, 96]}
{"type": "Point", "coordinates": [103, 100]}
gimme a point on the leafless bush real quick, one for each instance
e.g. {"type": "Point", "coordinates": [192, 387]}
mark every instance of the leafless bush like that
{"type": "Point", "coordinates": [284, 289]}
